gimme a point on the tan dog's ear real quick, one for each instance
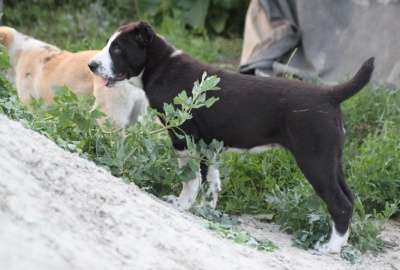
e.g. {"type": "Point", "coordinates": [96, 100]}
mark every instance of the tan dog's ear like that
{"type": "Point", "coordinates": [6, 36]}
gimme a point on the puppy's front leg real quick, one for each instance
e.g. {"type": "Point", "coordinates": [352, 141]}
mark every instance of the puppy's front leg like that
{"type": "Point", "coordinates": [212, 187]}
{"type": "Point", "coordinates": [190, 189]}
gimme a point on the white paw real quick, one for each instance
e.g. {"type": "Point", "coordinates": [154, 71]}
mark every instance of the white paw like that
{"type": "Point", "coordinates": [328, 248]}
{"type": "Point", "coordinates": [335, 243]}
{"type": "Point", "coordinates": [170, 199]}
{"type": "Point", "coordinates": [177, 203]}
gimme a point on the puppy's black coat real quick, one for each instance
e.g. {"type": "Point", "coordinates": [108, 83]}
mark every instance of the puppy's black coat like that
{"type": "Point", "coordinates": [252, 111]}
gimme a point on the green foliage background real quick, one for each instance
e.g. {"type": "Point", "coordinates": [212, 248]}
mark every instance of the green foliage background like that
{"type": "Point", "coordinates": [203, 16]}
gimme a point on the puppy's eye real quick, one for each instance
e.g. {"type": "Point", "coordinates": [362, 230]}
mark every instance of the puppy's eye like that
{"type": "Point", "coordinates": [116, 49]}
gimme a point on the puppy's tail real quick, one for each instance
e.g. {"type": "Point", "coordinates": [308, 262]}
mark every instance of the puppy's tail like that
{"type": "Point", "coordinates": [343, 91]}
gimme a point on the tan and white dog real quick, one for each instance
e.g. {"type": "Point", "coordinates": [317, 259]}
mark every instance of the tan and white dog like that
{"type": "Point", "coordinates": [37, 67]}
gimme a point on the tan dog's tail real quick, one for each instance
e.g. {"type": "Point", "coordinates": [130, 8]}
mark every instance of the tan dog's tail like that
{"type": "Point", "coordinates": [341, 92]}
{"type": "Point", "coordinates": [6, 36]}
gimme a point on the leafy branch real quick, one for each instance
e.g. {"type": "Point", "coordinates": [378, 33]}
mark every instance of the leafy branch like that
{"type": "Point", "coordinates": [181, 110]}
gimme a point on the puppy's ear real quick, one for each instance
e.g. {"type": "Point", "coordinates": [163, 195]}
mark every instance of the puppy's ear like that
{"type": "Point", "coordinates": [144, 33]}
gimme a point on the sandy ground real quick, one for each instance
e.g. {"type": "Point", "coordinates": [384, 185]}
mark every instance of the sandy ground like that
{"type": "Point", "coordinates": [287, 253]}
{"type": "Point", "coordinates": [59, 211]}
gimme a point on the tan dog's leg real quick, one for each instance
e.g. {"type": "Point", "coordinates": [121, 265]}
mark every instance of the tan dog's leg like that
{"type": "Point", "coordinates": [24, 90]}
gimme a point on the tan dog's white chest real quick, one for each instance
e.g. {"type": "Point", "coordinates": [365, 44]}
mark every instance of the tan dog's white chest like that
{"type": "Point", "coordinates": [124, 103]}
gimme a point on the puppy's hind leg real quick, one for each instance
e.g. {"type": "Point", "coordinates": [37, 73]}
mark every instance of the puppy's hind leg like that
{"type": "Point", "coordinates": [190, 188]}
{"type": "Point", "coordinates": [321, 170]}
{"type": "Point", "coordinates": [337, 238]}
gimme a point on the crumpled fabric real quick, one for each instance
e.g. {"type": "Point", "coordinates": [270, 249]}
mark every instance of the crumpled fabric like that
{"type": "Point", "coordinates": [323, 40]}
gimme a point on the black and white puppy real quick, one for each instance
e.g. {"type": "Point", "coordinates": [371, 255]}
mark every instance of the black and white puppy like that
{"type": "Point", "coordinates": [251, 113]}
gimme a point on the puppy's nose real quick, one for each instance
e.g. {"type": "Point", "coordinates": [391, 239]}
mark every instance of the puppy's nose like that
{"type": "Point", "coordinates": [93, 66]}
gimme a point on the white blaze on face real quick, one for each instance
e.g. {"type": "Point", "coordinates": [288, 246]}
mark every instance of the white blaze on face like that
{"type": "Point", "coordinates": [103, 59]}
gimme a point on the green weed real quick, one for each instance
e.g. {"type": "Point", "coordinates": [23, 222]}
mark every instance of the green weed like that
{"type": "Point", "coordinates": [241, 237]}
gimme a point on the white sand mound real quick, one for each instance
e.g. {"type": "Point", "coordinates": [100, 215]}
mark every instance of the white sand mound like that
{"type": "Point", "coordinates": [59, 211]}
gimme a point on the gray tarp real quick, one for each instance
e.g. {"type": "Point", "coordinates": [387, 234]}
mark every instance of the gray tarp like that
{"type": "Point", "coordinates": [332, 37]}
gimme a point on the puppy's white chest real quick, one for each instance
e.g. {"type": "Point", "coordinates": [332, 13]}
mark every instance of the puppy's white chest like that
{"type": "Point", "coordinates": [254, 150]}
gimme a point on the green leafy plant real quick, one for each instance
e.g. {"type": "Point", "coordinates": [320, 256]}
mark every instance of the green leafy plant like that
{"type": "Point", "coordinates": [300, 212]}
{"type": "Point", "coordinates": [180, 111]}
{"type": "Point", "coordinates": [374, 173]}
{"type": "Point", "coordinates": [69, 121]}
{"type": "Point", "coordinates": [350, 254]}
{"type": "Point", "coordinates": [229, 227]}
{"type": "Point", "coordinates": [241, 237]}
{"type": "Point", "coordinates": [366, 228]}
